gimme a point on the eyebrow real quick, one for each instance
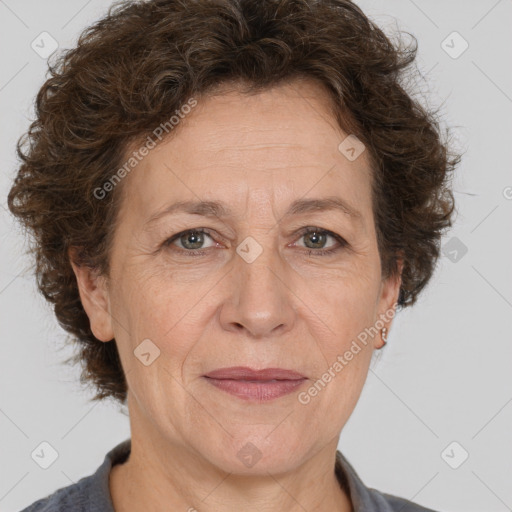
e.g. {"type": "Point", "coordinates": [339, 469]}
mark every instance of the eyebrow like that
{"type": "Point", "coordinates": [221, 210]}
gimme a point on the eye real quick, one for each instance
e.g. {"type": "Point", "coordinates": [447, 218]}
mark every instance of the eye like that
{"type": "Point", "coordinates": [316, 239]}
{"type": "Point", "coordinates": [190, 241]}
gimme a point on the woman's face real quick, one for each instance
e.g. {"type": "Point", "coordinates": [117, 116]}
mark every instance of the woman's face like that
{"type": "Point", "coordinates": [254, 290]}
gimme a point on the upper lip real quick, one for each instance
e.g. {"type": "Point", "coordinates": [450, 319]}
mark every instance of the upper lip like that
{"type": "Point", "coordinates": [246, 373]}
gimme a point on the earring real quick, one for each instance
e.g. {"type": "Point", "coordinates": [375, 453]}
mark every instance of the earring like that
{"type": "Point", "coordinates": [384, 335]}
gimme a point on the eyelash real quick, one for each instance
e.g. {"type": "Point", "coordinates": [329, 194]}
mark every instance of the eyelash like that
{"type": "Point", "coordinates": [306, 231]}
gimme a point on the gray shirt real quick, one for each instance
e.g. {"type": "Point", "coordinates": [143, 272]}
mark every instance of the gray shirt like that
{"type": "Point", "coordinates": [92, 493]}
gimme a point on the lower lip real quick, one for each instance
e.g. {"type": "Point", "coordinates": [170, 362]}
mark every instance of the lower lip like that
{"type": "Point", "coordinates": [257, 390]}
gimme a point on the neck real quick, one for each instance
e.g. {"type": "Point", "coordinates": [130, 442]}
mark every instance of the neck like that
{"type": "Point", "coordinates": [182, 484]}
{"type": "Point", "coordinates": [163, 474]}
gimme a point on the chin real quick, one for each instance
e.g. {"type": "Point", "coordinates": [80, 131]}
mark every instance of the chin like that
{"type": "Point", "coordinates": [259, 455]}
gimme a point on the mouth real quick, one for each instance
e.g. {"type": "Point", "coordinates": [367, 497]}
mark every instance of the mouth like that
{"type": "Point", "coordinates": [256, 385]}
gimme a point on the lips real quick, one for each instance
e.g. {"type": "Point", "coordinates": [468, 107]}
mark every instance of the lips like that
{"type": "Point", "coordinates": [248, 374]}
{"type": "Point", "coordinates": [256, 385]}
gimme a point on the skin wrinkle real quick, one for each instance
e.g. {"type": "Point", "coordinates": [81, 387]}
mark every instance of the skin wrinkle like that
{"type": "Point", "coordinates": [285, 309]}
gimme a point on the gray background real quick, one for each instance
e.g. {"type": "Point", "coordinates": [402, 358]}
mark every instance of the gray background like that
{"type": "Point", "coordinates": [445, 374]}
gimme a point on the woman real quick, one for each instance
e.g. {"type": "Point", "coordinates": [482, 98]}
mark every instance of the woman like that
{"type": "Point", "coordinates": [229, 201]}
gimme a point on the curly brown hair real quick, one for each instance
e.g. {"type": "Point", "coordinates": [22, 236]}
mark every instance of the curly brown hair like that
{"type": "Point", "coordinates": [137, 65]}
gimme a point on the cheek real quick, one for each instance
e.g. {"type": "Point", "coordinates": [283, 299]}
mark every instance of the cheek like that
{"type": "Point", "coordinates": [344, 352]}
{"type": "Point", "coordinates": [348, 312]}
{"type": "Point", "coordinates": [347, 307]}
{"type": "Point", "coordinates": [150, 304]}
{"type": "Point", "coordinates": [347, 302]}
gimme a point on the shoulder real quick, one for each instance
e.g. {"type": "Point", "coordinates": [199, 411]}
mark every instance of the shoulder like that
{"type": "Point", "coordinates": [73, 498]}
{"type": "Point", "coordinates": [91, 493]}
{"type": "Point", "coordinates": [367, 499]}
{"type": "Point", "coordinates": [392, 503]}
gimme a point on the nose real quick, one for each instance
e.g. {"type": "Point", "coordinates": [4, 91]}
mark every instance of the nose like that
{"type": "Point", "coordinates": [259, 301]}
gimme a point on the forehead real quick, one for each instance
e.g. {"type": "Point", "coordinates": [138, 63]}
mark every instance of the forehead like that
{"type": "Point", "coordinates": [274, 146]}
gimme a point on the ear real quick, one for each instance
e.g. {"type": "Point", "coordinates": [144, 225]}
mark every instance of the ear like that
{"type": "Point", "coordinates": [389, 293]}
{"type": "Point", "coordinates": [94, 296]}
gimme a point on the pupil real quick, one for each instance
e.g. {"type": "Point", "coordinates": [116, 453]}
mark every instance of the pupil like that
{"type": "Point", "coordinates": [197, 240]}
{"type": "Point", "coordinates": [315, 236]}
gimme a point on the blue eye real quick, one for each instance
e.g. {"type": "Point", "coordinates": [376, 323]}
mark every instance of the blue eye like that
{"type": "Point", "coordinates": [191, 242]}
